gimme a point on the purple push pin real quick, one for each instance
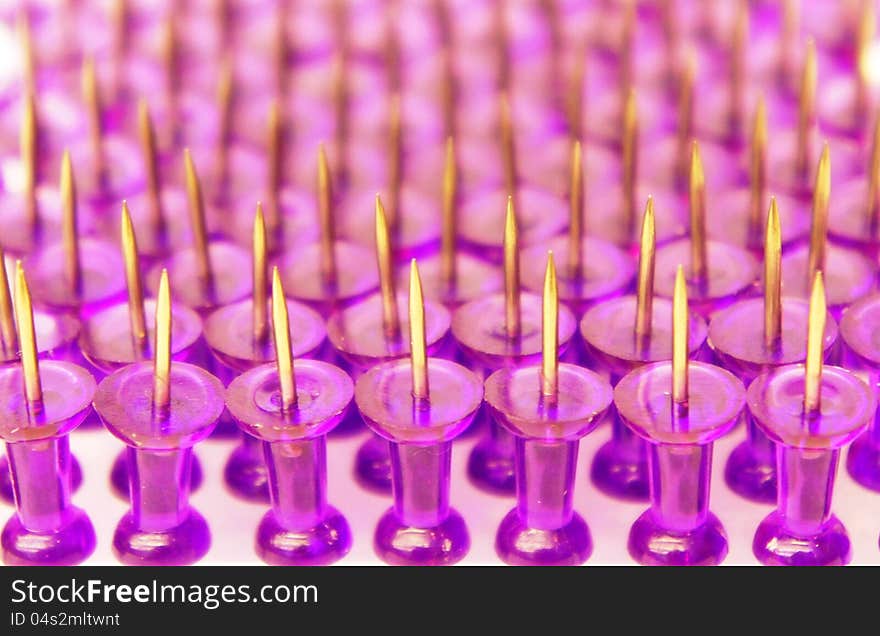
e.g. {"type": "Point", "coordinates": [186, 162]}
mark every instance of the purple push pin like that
{"type": "Point", "coordinates": [55, 336]}
{"type": "Point", "coordinates": [371, 332]}
{"type": "Point", "coordinates": [330, 273]}
{"type": "Point", "coordinates": [238, 336]}
{"type": "Point", "coordinates": [121, 335]}
{"type": "Point", "coordinates": [290, 407]}
{"type": "Point", "coordinates": [858, 328]}
{"type": "Point", "coordinates": [810, 413]}
{"type": "Point", "coordinates": [42, 403]}
{"type": "Point", "coordinates": [622, 334]}
{"type": "Point", "coordinates": [547, 408]}
{"type": "Point", "coordinates": [717, 273]}
{"type": "Point", "coordinates": [680, 408]}
{"type": "Point", "coordinates": [594, 269]}
{"type": "Point", "coordinates": [419, 405]}
{"type": "Point", "coordinates": [503, 331]}
{"type": "Point", "coordinates": [454, 277]}
{"type": "Point", "coordinates": [849, 273]}
{"type": "Point", "coordinates": [753, 336]}
{"type": "Point", "coordinates": [160, 409]}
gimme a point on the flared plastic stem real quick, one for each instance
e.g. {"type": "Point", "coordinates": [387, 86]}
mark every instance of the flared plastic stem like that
{"type": "Point", "coordinates": [420, 482]}
{"type": "Point", "coordinates": [545, 473]}
{"type": "Point", "coordinates": [41, 482]}
{"type": "Point", "coordinates": [680, 485]}
{"type": "Point", "coordinates": [159, 487]}
{"type": "Point", "coordinates": [629, 445]}
{"type": "Point", "coordinates": [806, 481]}
{"type": "Point", "coordinates": [298, 482]}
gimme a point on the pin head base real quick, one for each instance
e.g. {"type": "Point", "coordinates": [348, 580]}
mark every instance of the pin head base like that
{"type": "Point", "coordinates": [323, 394]}
{"type": "Point", "coordinates": [540, 214]}
{"type": "Point", "coordinates": [610, 226]}
{"type": "Point", "coordinates": [356, 274]}
{"type": "Point", "coordinates": [609, 331]}
{"type": "Point", "coordinates": [359, 336]}
{"type": "Point", "coordinates": [860, 329]}
{"type": "Point", "coordinates": [605, 270]}
{"type": "Point", "coordinates": [736, 335]}
{"type": "Point", "coordinates": [731, 271]}
{"type": "Point", "coordinates": [776, 401]}
{"type": "Point", "coordinates": [231, 269]}
{"type": "Point", "coordinates": [124, 401]}
{"type": "Point", "coordinates": [296, 214]}
{"type": "Point", "coordinates": [106, 340]}
{"type": "Point", "coordinates": [384, 397]}
{"type": "Point", "coordinates": [848, 275]}
{"type": "Point", "coordinates": [102, 278]}
{"type": "Point", "coordinates": [54, 335]}
{"type": "Point", "coordinates": [644, 402]}
{"type": "Point", "coordinates": [849, 219]}
{"type": "Point", "coordinates": [18, 236]}
{"type": "Point", "coordinates": [229, 332]}
{"type": "Point", "coordinates": [479, 328]}
{"type": "Point", "coordinates": [474, 278]}
{"type": "Point", "coordinates": [733, 225]}
{"type": "Point", "coordinates": [123, 170]}
{"type": "Point", "coordinates": [70, 545]}
{"type": "Point", "coordinates": [775, 544]}
{"type": "Point", "coordinates": [67, 394]}
{"type": "Point", "coordinates": [514, 398]}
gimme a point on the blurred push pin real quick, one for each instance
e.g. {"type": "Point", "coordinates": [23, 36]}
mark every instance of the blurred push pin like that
{"type": "Point", "coordinates": [42, 402]}
{"type": "Point", "coordinates": [419, 405]}
{"type": "Point", "coordinates": [680, 408]}
{"type": "Point", "coordinates": [160, 409]}
{"type": "Point", "coordinates": [290, 406]}
{"type": "Point", "coordinates": [547, 408]}
{"type": "Point", "coordinates": [810, 413]}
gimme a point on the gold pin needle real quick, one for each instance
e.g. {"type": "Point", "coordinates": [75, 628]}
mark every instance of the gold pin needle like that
{"type": "Point", "coordinates": [449, 235]}
{"type": "Point", "coordinates": [390, 320]}
{"type": "Point", "coordinates": [819, 225]}
{"type": "Point", "coordinates": [7, 312]}
{"type": "Point", "coordinates": [788, 38]}
{"type": "Point", "coordinates": [340, 106]}
{"type": "Point", "coordinates": [30, 366]}
{"type": "Point", "coordinates": [92, 98]}
{"type": "Point", "coordinates": [325, 218]}
{"type": "Point", "coordinates": [276, 153]}
{"type": "Point", "coordinates": [645, 286]}
{"type": "Point", "coordinates": [576, 220]}
{"type": "Point", "coordinates": [29, 148]}
{"type": "Point", "coordinates": [508, 146]}
{"type": "Point", "coordinates": [864, 39]}
{"type": "Point", "coordinates": [70, 237]}
{"type": "Point", "coordinates": [550, 334]}
{"type": "Point", "coordinates": [225, 89]}
{"type": "Point", "coordinates": [772, 278]}
{"type": "Point", "coordinates": [395, 159]}
{"type": "Point", "coordinates": [280, 51]}
{"type": "Point", "coordinates": [806, 110]}
{"type": "Point", "coordinates": [417, 342]}
{"type": "Point", "coordinates": [575, 93]}
{"type": "Point", "coordinates": [625, 52]}
{"type": "Point", "coordinates": [699, 267]}
{"type": "Point", "coordinates": [281, 339]}
{"type": "Point", "coordinates": [197, 219]}
{"type": "Point", "coordinates": [162, 350]}
{"type": "Point", "coordinates": [738, 65]}
{"type": "Point", "coordinates": [120, 19]}
{"type": "Point", "coordinates": [448, 92]}
{"type": "Point", "coordinates": [685, 128]}
{"type": "Point", "coordinates": [511, 273]}
{"type": "Point", "coordinates": [29, 60]}
{"type": "Point", "coordinates": [133, 281]}
{"type": "Point", "coordinates": [171, 54]}
{"type": "Point", "coordinates": [680, 340]}
{"type": "Point", "coordinates": [757, 170]}
{"type": "Point", "coordinates": [501, 44]}
{"type": "Point", "coordinates": [629, 154]}
{"type": "Point", "coordinates": [260, 290]}
{"type": "Point", "coordinates": [815, 336]}
{"type": "Point", "coordinates": [147, 133]}
{"type": "Point", "coordinates": [872, 205]}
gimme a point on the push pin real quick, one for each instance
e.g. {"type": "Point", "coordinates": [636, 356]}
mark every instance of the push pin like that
{"type": "Point", "coordinates": [717, 273]}
{"type": "Point", "coordinates": [594, 270]}
{"type": "Point", "coordinates": [454, 277]}
{"type": "Point", "coordinates": [373, 331]}
{"type": "Point", "coordinates": [77, 275]}
{"type": "Point", "coordinates": [848, 273]}
{"type": "Point", "coordinates": [122, 334]}
{"type": "Point", "coordinates": [330, 272]}
{"type": "Point", "coordinates": [621, 334]}
{"type": "Point", "coordinates": [810, 413]}
{"type": "Point", "coordinates": [742, 222]}
{"type": "Point", "coordinates": [43, 401]}
{"type": "Point", "coordinates": [504, 331]}
{"type": "Point", "coordinates": [419, 405]}
{"type": "Point", "coordinates": [55, 335]}
{"type": "Point", "coordinates": [680, 408]}
{"type": "Point", "coordinates": [290, 407]}
{"type": "Point", "coordinates": [239, 338]}
{"type": "Point", "coordinates": [861, 355]}
{"type": "Point", "coordinates": [547, 408]}
{"type": "Point", "coordinates": [757, 335]}
{"type": "Point", "coordinates": [160, 409]}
